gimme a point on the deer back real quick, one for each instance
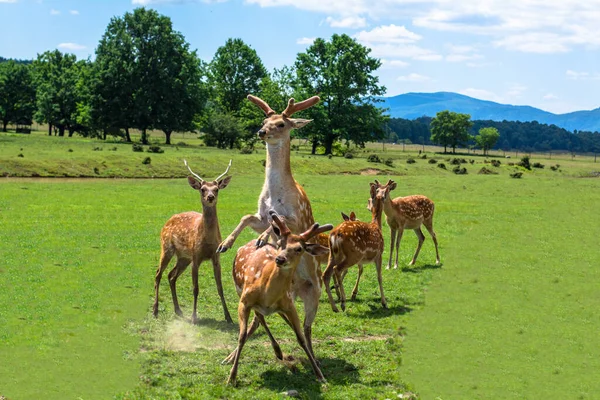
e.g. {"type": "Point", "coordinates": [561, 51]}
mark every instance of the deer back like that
{"type": "Point", "coordinates": [355, 241]}
{"type": "Point", "coordinates": [412, 210]}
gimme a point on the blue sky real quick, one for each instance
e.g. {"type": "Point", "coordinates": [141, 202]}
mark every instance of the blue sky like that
{"type": "Point", "coordinates": [528, 52]}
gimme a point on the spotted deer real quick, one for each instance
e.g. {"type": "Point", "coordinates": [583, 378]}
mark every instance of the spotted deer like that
{"type": "Point", "coordinates": [263, 279]}
{"type": "Point", "coordinates": [355, 243]}
{"type": "Point", "coordinates": [285, 196]}
{"type": "Point", "coordinates": [193, 237]}
{"type": "Point", "coordinates": [408, 212]}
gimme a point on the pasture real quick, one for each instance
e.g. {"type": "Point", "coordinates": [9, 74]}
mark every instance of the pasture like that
{"type": "Point", "coordinates": [510, 314]}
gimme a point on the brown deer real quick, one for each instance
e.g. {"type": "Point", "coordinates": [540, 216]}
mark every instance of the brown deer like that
{"type": "Point", "coordinates": [263, 279]}
{"type": "Point", "coordinates": [355, 242]}
{"type": "Point", "coordinates": [408, 212]}
{"type": "Point", "coordinates": [284, 195]}
{"type": "Point", "coordinates": [193, 238]}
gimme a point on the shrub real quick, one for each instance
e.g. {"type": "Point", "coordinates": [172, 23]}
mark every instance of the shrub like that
{"type": "Point", "coordinates": [524, 163]}
{"type": "Point", "coordinates": [410, 161]}
{"type": "Point", "coordinates": [113, 149]}
{"type": "Point", "coordinates": [496, 163]}
{"type": "Point", "coordinates": [442, 165]}
{"type": "Point", "coordinates": [555, 167]}
{"type": "Point", "coordinates": [330, 156]}
{"type": "Point", "coordinates": [96, 171]}
{"type": "Point", "coordinates": [487, 171]}
{"type": "Point", "coordinates": [97, 149]}
{"type": "Point", "coordinates": [155, 149]}
{"type": "Point", "coordinates": [538, 165]}
{"type": "Point", "coordinates": [516, 175]}
{"type": "Point", "coordinates": [471, 161]}
{"type": "Point", "coordinates": [264, 162]}
{"type": "Point", "coordinates": [459, 171]}
{"type": "Point", "coordinates": [246, 150]}
{"type": "Point", "coordinates": [432, 161]}
{"type": "Point", "coordinates": [21, 155]}
{"type": "Point", "coordinates": [511, 164]}
{"type": "Point", "coordinates": [374, 158]}
{"type": "Point", "coordinates": [147, 161]}
{"type": "Point", "coordinates": [70, 150]}
{"type": "Point", "coordinates": [423, 156]}
{"type": "Point", "coordinates": [182, 144]}
{"type": "Point", "coordinates": [138, 148]}
{"type": "Point", "coordinates": [389, 162]}
{"type": "Point", "coordinates": [349, 155]}
{"type": "Point", "coordinates": [295, 147]}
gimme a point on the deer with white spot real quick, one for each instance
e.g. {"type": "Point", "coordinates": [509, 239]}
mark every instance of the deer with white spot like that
{"type": "Point", "coordinates": [263, 279]}
{"type": "Point", "coordinates": [352, 243]}
{"type": "Point", "coordinates": [193, 237]}
{"type": "Point", "coordinates": [408, 212]}
{"type": "Point", "coordinates": [283, 194]}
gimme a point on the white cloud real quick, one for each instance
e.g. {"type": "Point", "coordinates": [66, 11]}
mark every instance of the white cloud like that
{"type": "Point", "coordinates": [71, 46]}
{"type": "Point", "coordinates": [581, 76]}
{"type": "Point", "coordinates": [74, 12]}
{"type": "Point", "coordinates": [414, 77]}
{"type": "Point", "coordinates": [550, 96]}
{"type": "Point", "coordinates": [394, 63]}
{"type": "Point", "coordinates": [8, 1]}
{"type": "Point", "coordinates": [151, 2]}
{"type": "Point", "coordinates": [403, 51]}
{"type": "Point", "coordinates": [305, 40]}
{"type": "Point", "coordinates": [54, 12]}
{"type": "Point", "coordinates": [481, 94]}
{"type": "Point", "coordinates": [388, 34]}
{"type": "Point", "coordinates": [347, 22]}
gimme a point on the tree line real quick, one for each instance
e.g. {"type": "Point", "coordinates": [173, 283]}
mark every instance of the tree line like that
{"type": "Point", "coordinates": [146, 77]}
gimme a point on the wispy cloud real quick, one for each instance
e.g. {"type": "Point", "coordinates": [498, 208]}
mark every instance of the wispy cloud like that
{"type": "Point", "coordinates": [151, 2]}
{"type": "Point", "coordinates": [392, 41]}
{"type": "Point", "coordinates": [8, 1]}
{"type": "Point", "coordinates": [481, 94]}
{"type": "Point", "coordinates": [414, 77]}
{"type": "Point", "coordinates": [581, 76]}
{"type": "Point", "coordinates": [305, 40]}
{"type": "Point", "coordinates": [550, 96]}
{"type": "Point", "coordinates": [71, 46]}
{"type": "Point", "coordinates": [393, 63]}
{"type": "Point", "coordinates": [388, 34]}
{"type": "Point", "coordinates": [73, 12]}
{"type": "Point", "coordinates": [54, 12]}
{"type": "Point", "coordinates": [348, 22]}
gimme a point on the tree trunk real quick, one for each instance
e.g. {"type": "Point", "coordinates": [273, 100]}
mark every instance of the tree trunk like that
{"type": "Point", "coordinates": [328, 145]}
{"type": "Point", "coordinates": [453, 149]}
{"type": "Point", "coordinates": [168, 135]}
{"type": "Point", "coordinates": [144, 136]}
{"type": "Point", "coordinates": [71, 131]}
{"type": "Point", "coordinates": [315, 144]}
{"type": "Point", "coordinates": [127, 137]}
{"type": "Point", "coordinates": [104, 133]}
{"type": "Point", "coordinates": [61, 130]}
{"type": "Point", "coordinates": [4, 124]}
{"type": "Point", "coordinates": [49, 129]}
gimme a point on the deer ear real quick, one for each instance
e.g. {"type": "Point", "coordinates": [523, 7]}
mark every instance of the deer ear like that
{"type": "Point", "coordinates": [373, 190]}
{"type": "Point", "coordinates": [194, 183]}
{"type": "Point", "coordinates": [345, 217]}
{"type": "Point", "coordinates": [370, 204]}
{"type": "Point", "coordinates": [352, 216]}
{"type": "Point", "coordinates": [298, 123]}
{"type": "Point", "coordinates": [224, 182]}
{"type": "Point", "coordinates": [316, 249]}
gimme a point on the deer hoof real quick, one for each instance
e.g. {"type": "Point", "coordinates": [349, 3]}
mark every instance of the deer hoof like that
{"type": "Point", "coordinates": [222, 248]}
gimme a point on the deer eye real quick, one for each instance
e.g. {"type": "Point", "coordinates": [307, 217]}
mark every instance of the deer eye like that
{"type": "Point", "coordinates": [281, 125]}
{"type": "Point", "coordinates": [299, 249]}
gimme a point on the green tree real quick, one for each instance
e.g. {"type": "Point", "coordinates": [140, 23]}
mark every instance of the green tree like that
{"type": "Point", "coordinates": [487, 138]}
{"type": "Point", "coordinates": [146, 76]}
{"type": "Point", "coordinates": [340, 71]}
{"type": "Point", "coordinates": [234, 72]}
{"type": "Point", "coordinates": [450, 129]}
{"type": "Point", "coordinates": [56, 77]}
{"type": "Point", "coordinates": [223, 130]}
{"type": "Point", "coordinates": [17, 94]}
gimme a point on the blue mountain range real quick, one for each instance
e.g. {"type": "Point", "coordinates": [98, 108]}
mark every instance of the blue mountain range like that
{"type": "Point", "coordinates": [414, 105]}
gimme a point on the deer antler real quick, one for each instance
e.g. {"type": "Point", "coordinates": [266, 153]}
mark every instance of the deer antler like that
{"type": "Point", "coordinates": [283, 229]}
{"type": "Point", "coordinates": [389, 182]}
{"type": "Point", "coordinates": [193, 173]}
{"type": "Point", "coordinates": [224, 173]}
{"type": "Point", "coordinates": [294, 107]}
{"type": "Point", "coordinates": [262, 104]}
{"type": "Point", "coordinates": [315, 230]}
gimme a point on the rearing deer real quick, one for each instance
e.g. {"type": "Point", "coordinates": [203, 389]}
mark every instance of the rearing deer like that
{"type": "Point", "coordinates": [193, 238]}
{"type": "Point", "coordinates": [263, 280]}
{"type": "Point", "coordinates": [408, 212]}
{"type": "Point", "coordinates": [285, 196]}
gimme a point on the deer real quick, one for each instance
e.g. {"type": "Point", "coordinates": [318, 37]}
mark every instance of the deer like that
{"type": "Point", "coordinates": [408, 212]}
{"type": "Point", "coordinates": [284, 195]}
{"type": "Point", "coordinates": [355, 243]}
{"type": "Point", "coordinates": [263, 279]}
{"type": "Point", "coordinates": [193, 237]}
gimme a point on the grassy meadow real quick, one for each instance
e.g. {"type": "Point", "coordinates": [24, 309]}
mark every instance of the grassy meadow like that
{"type": "Point", "coordinates": [510, 314]}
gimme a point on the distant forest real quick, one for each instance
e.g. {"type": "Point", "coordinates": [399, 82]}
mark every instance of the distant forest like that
{"type": "Point", "coordinates": [514, 135]}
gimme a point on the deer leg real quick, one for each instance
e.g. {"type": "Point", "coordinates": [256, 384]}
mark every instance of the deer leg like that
{"type": "Point", "coordinates": [165, 257]}
{"type": "Point", "coordinates": [274, 344]}
{"type": "Point", "coordinates": [378, 262]}
{"type": "Point", "coordinates": [195, 267]}
{"type": "Point", "coordinates": [253, 326]}
{"type": "Point", "coordinates": [421, 237]}
{"type": "Point", "coordinates": [355, 290]}
{"type": "Point", "coordinates": [254, 220]}
{"type": "Point", "coordinates": [291, 315]}
{"type": "Point", "coordinates": [217, 272]}
{"type": "Point", "coordinates": [393, 233]}
{"type": "Point", "coordinates": [243, 314]}
{"type": "Point", "coordinates": [338, 273]}
{"type": "Point", "coordinates": [264, 237]}
{"type": "Point", "coordinates": [336, 283]}
{"type": "Point", "coordinates": [398, 239]}
{"type": "Point", "coordinates": [429, 225]}
{"type": "Point", "coordinates": [327, 282]}
{"type": "Point", "coordinates": [181, 265]}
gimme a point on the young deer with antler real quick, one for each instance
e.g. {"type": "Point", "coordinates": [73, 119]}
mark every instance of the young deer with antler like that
{"type": "Point", "coordinates": [355, 242]}
{"type": "Point", "coordinates": [193, 238]}
{"type": "Point", "coordinates": [284, 195]}
{"type": "Point", "coordinates": [408, 212]}
{"type": "Point", "coordinates": [263, 280]}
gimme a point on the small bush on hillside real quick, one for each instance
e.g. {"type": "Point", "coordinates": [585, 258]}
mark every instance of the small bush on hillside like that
{"type": "Point", "coordinates": [96, 171]}
{"type": "Point", "coordinates": [496, 163]}
{"type": "Point", "coordinates": [459, 171]}
{"type": "Point", "coordinates": [389, 162]}
{"type": "Point", "coordinates": [524, 163]}
{"type": "Point", "coordinates": [147, 161]}
{"type": "Point", "coordinates": [458, 161]}
{"type": "Point", "coordinates": [97, 149]}
{"type": "Point", "coordinates": [295, 147]}
{"type": "Point", "coordinates": [264, 162]}
{"type": "Point", "coordinates": [155, 149]}
{"type": "Point", "coordinates": [349, 155]}
{"type": "Point", "coordinates": [21, 155]}
{"type": "Point", "coordinates": [487, 171]}
{"type": "Point", "coordinates": [182, 144]}
{"type": "Point", "coordinates": [442, 165]}
{"type": "Point", "coordinates": [471, 161]}
{"type": "Point", "coordinates": [113, 149]}
{"type": "Point", "coordinates": [374, 158]}
{"type": "Point", "coordinates": [70, 150]}
{"type": "Point", "coordinates": [136, 147]}
{"type": "Point", "coordinates": [410, 161]}
{"type": "Point", "coordinates": [516, 175]}
{"type": "Point", "coordinates": [246, 150]}
{"type": "Point", "coordinates": [538, 165]}
{"type": "Point", "coordinates": [423, 156]}
{"type": "Point", "coordinates": [432, 161]}
{"type": "Point", "coordinates": [555, 167]}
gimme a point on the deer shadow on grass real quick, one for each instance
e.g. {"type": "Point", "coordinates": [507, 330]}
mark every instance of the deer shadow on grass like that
{"type": "Point", "coordinates": [377, 311]}
{"type": "Point", "coordinates": [213, 323]}
{"type": "Point", "coordinates": [416, 270]}
{"type": "Point", "coordinates": [336, 371]}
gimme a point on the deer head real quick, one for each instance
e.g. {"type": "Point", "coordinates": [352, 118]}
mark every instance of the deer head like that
{"type": "Point", "coordinates": [291, 247]}
{"type": "Point", "coordinates": [278, 126]}
{"type": "Point", "coordinates": [380, 192]}
{"type": "Point", "coordinates": [209, 190]}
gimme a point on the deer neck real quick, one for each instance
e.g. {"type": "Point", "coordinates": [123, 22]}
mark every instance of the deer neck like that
{"type": "Point", "coordinates": [210, 220]}
{"type": "Point", "coordinates": [387, 205]}
{"type": "Point", "coordinates": [376, 214]}
{"type": "Point", "coordinates": [278, 169]}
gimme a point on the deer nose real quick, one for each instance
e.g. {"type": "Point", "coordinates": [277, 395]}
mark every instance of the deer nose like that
{"type": "Point", "coordinates": [210, 198]}
{"type": "Point", "coordinates": [280, 260]}
{"type": "Point", "coordinates": [262, 133]}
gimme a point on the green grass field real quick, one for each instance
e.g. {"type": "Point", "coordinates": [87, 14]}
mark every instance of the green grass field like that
{"type": "Point", "coordinates": [511, 314]}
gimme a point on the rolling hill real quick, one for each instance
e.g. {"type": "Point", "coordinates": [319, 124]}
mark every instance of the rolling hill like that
{"type": "Point", "coordinates": [414, 105]}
